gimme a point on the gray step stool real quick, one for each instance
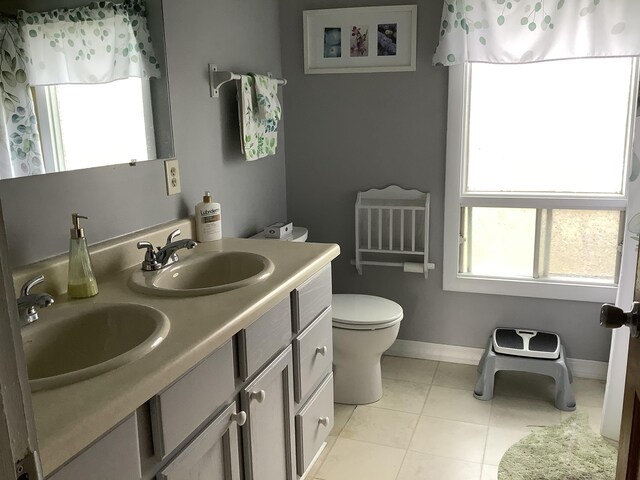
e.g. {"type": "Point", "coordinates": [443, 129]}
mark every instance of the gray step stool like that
{"type": "Point", "coordinates": [492, 362]}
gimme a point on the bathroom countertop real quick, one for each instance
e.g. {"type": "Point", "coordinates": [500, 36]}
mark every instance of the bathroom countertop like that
{"type": "Point", "coordinates": [70, 418]}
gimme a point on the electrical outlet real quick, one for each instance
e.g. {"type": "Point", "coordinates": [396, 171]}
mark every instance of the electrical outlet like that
{"type": "Point", "coordinates": [172, 176]}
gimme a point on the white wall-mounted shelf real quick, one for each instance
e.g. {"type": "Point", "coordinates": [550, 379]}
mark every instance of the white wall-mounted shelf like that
{"type": "Point", "coordinates": [392, 229]}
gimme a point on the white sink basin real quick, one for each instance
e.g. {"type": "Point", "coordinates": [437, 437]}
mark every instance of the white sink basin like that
{"type": "Point", "coordinates": [204, 274]}
{"type": "Point", "coordinates": [71, 343]}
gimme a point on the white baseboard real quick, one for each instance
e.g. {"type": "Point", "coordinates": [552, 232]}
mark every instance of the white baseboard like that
{"type": "Point", "coordinates": [471, 356]}
{"type": "Point", "coordinates": [436, 351]}
{"type": "Point", "coordinates": [588, 368]}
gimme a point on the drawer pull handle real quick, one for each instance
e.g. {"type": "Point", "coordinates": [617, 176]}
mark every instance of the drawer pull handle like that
{"type": "Point", "coordinates": [323, 421]}
{"type": "Point", "coordinates": [258, 396]}
{"type": "Point", "coordinates": [240, 418]}
{"type": "Point", "coordinates": [322, 350]}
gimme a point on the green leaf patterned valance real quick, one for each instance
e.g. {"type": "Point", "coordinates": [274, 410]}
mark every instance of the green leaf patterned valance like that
{"type": "Point", "coordinates": [97, 43]}
{"type": "Point", "coordinates": [522, 31]}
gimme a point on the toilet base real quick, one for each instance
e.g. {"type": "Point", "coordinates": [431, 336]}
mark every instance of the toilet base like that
{"type": "Point", "coordinates": [357, 385]}
{"type": "Point", "coordinates": [357, 374]}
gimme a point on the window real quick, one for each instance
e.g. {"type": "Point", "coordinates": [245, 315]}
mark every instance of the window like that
{"type": "Point", "coordinates": [93, 125]}
{"type": "Point", "coordinates": [537, 158]}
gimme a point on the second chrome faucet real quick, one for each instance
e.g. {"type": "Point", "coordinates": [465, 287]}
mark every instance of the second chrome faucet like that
{"type": "Point", "coordinates": [29, 303]}
{"type": "Point", "coordinates": [164, 256]}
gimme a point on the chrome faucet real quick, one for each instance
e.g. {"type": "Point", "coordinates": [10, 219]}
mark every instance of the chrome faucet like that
{"type": "Point", "coordinates": [28, 303]}
{"type": "Point", "coordinates": [164, 256]}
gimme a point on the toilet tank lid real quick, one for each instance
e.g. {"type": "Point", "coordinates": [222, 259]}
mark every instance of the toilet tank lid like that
{"type": "Point", "coordinates": [364, 309]}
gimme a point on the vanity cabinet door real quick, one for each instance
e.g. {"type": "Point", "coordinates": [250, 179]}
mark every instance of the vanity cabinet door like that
{"type": "Point", "coordinates": [115, 455]}
{"type": "Point", "coordinates": [268, 435]}
{"type": "Point", "coordinates": [212, 455]}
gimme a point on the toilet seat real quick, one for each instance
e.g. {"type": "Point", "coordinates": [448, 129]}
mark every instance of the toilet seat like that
{"type": "Point", "coordinates": [364, 312]}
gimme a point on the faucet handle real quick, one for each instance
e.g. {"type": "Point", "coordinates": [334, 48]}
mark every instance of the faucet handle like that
{"type": "Point", "coordinates": [26, 288]}
{"type": "Point", "coordinates": [44, 300]}
{"type": "Point", "coordinates": [172, 236]}
{"type": "Point", "coordinates": [146, 245]}
{"type": "Point", "coordinates": [150, 254]}
{"type": "Point", "coordinates": [150, 262]}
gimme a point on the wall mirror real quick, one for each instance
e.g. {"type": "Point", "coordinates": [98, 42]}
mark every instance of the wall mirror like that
{"type": "Point", "coordinates": [93, 90]}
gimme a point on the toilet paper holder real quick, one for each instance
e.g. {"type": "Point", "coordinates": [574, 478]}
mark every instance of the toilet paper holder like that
{"type": "Point", "coordinates": [392, 229]}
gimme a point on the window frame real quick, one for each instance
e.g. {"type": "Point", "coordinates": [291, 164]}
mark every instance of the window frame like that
{"type": "Point", "coordinates": [456, 199]}
{"type": "Point", "coordinates": [50, 128]}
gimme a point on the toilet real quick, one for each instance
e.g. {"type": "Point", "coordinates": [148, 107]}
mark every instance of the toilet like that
{"type": "Point", "coordinates": [364, 327]}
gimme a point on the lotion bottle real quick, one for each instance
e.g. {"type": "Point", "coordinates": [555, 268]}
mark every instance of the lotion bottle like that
{"type": "Point", "coordinates": [82, 282]}
{"type": "Point", "coordinates": [208, 220]}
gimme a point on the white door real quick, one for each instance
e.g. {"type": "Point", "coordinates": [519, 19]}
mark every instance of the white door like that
{"type": "Point", "coordinates": [629, 444]}
{"type": "Point", "coordinates": [18, 445]}
{"type": "Point", "coordinates": [612, 408]}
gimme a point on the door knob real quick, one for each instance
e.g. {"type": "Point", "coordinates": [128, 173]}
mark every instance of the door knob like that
{"type": "Point", "coordinates": [240, 418]}
{"type": "Point", "coordinates": [614, 317]}
{"type": "Point", "coordinates": [322, 350]}
{"type": "Point", "coordinates": [258, 396]}
{"type": "Point", "coordinates": [323, 421]}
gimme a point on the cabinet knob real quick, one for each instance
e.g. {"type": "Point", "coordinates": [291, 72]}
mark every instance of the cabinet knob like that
{"type": "Point", "coordinates": [240, 418]}
{"type": "Point", "coordinates": [322, 350]}
{"type": "Point", "coordinates": [258, 396]}
{"type": "Point", "coordinates": [323, 421]}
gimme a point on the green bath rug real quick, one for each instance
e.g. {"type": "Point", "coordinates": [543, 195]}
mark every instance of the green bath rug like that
{"type": "Point", "coordinates": [569, 451]}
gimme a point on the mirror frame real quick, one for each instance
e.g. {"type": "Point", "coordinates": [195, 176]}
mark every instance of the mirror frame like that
{"type": "Point", "coordinates": [159, 87]}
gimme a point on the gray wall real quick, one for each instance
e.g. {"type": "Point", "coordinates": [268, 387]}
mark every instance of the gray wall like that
{"type": "Point", "coordinates": [241, 36]}
{"type": "Point", "coordinates": [347, 133]}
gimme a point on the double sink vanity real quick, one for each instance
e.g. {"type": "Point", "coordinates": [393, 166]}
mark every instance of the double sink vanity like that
{"type": "Point", "coordinates": [215, 366]}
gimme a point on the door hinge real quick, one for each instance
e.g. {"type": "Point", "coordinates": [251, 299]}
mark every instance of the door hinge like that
{"type": "Point", "coordinates": [29, 467]}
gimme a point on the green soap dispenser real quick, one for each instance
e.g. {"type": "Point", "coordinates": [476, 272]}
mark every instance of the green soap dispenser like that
{"type": "Point", "coordinates": [82, 282]}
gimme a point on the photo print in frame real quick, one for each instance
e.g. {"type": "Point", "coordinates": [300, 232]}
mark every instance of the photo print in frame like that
{"type": "Point", "coordinates": [360, 40]}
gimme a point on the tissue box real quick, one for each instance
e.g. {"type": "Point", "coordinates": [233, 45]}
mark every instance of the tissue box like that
{"type": "Point", "coordinates": [279, 230]}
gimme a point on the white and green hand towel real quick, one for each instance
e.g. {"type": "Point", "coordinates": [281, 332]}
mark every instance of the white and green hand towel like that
{"type": "Point", "coordinates": [267, 95]}
{"type": "Point", "coordinates": [259, 112]}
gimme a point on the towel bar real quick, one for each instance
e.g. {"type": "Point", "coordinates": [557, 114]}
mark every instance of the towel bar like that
{"type": "Point", "coordinates": [412, 267]}
{"type": "Point", "coordinates": [217, 79]}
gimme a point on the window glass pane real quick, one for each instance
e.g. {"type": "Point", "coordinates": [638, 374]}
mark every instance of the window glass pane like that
{"type": "Point", "coordinates": [500, 242]}
{"type": "Point", "coordinates": [579, 243]}
{"type": "Point", "coordinates": [100, 122]}
{"type": "Point", "coordinates": [549, 127]}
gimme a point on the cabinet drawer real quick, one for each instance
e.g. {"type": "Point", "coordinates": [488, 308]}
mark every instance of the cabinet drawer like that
{"type": "Point", "coordinates": [116, 455]}
{"type": "Point", "coordinates": [313, 354]}
{"type": "Point", "coordinates": [214, 454]}
{"type": "Point", "coordinates": [311, 298]}
{"type": "Point", "coordinates": [313, 424]}
{"type": "Point", "coordinates": [183, 406]}
{"type": "Point", "coordinates": [264, 338]}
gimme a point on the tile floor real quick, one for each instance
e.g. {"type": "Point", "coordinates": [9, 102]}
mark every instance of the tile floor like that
{"type": "Point", "coordinates": [428, 425]}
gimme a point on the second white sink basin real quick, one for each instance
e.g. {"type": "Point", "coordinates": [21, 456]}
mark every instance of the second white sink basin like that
{"type": "Point", "coordinates": [204, 274]}
{"type": "Point", "coordinates": [71, 343]}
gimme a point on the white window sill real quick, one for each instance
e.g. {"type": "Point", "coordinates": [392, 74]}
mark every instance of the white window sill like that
{"type": "Point", "coordinates": [531, 288]}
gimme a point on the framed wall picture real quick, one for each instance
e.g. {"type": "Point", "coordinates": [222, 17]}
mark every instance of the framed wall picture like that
{"type": "Point", "coordinates": [360, 40]}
